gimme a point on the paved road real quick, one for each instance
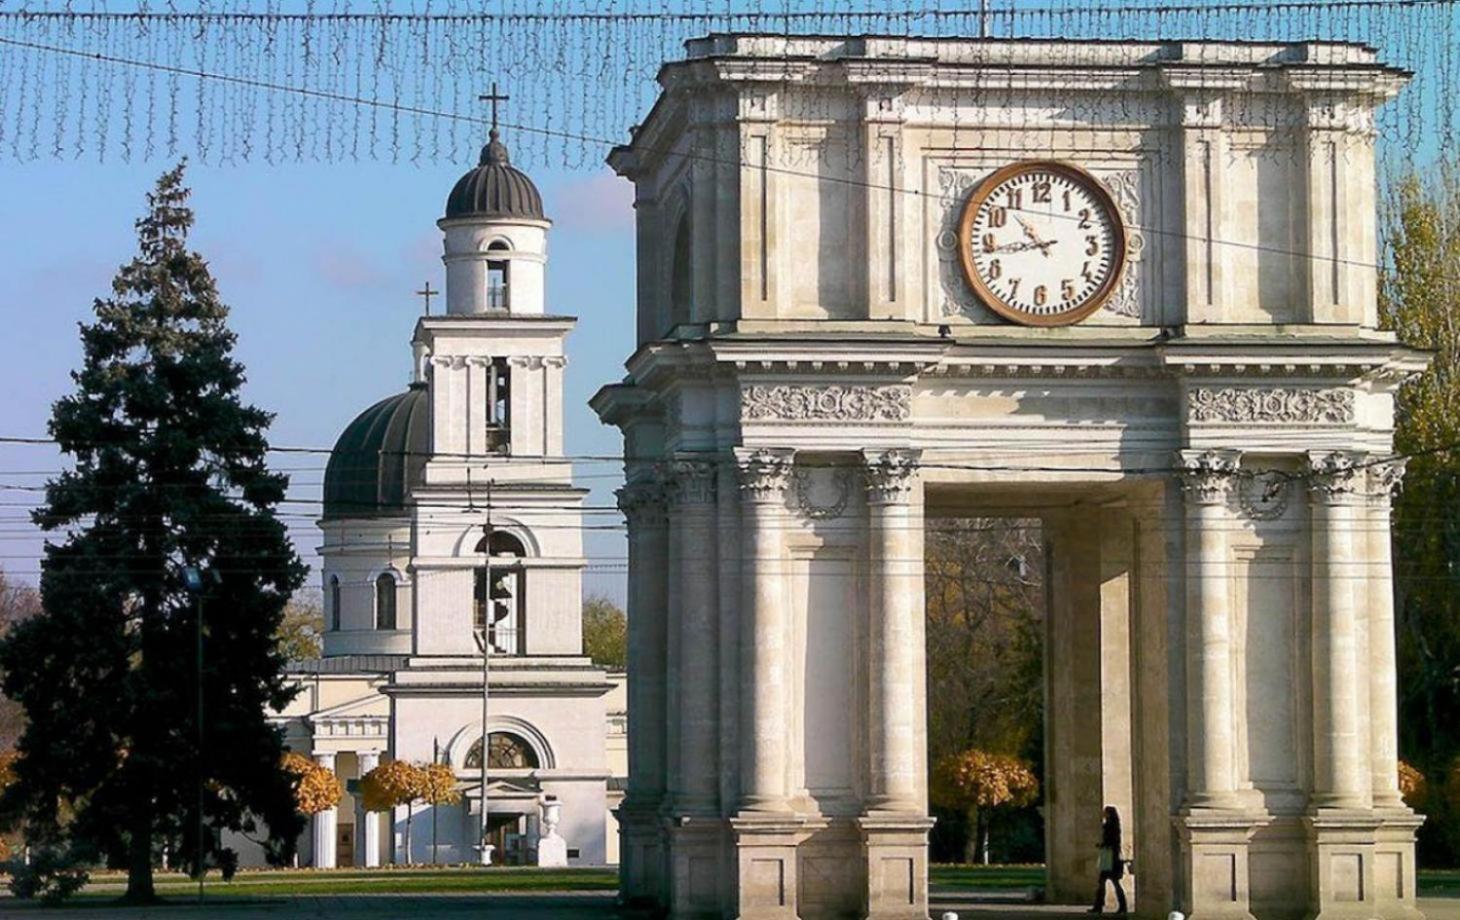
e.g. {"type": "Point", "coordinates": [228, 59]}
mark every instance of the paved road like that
{"type": "Point", "coordinates": [497, 907]}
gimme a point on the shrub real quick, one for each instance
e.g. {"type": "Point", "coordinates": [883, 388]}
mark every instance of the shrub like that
{"type": "Point", "coordinates": [51, 876]}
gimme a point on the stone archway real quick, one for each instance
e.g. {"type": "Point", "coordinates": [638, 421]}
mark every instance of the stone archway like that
{"type": "Point", "coordinates": [1212, 460]}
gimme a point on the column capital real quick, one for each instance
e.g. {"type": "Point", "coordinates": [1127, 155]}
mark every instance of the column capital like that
{"type": "Point", "coordinates": [689, 481]}
{"type": "Point", "coordinates": [1386, 478]}
{"type": "Point", "coordinates": [890, 474]}
{"type": "Point", "coordinates": [642, 500]}
{"type": "Point", "coordinates": [1337, 476]}
{"type": "Point", "coordinates": [1208, 476]}
{"type": "Point", "coordinates": [325, 759]}
{"type": "Point", "coordinates": [765, 472]}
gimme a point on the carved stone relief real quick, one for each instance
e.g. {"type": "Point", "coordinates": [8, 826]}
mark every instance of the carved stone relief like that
{"type": "Point", "coordinates": [826, 403]}
{"type": "Point", "coordinates": [1270, 405]}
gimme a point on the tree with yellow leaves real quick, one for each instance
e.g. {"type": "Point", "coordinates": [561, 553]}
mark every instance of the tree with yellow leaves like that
{"type": "Point", "coordinates": [396, 782]}
{"type": "Point", "coordinates": [438, 787]}
{"type": "Point", "coordinates": [316, 788]}
{"type": "Point", "coordinates": [979, 782]}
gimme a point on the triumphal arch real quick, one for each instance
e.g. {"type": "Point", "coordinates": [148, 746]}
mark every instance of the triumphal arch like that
{"type": "Point", "coordinates": [1126, 288]}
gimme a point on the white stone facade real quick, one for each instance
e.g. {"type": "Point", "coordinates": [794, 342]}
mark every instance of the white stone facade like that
{"type": "Point", "coordinates": [1208, 453]}
{"type": "Point", "coordinates": [414, 485]}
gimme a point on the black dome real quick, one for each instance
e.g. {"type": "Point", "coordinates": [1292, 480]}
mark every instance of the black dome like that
{"type": "Point", "coordinates": [379, 457]}
{"type": "Point", "coordinates": [495, 188]}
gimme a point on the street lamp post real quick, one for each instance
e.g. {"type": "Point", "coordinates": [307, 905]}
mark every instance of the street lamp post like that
{"type": "Point", "coordinates": [193, 579]}
{"type": "Point", "coordinates": [486, 648]}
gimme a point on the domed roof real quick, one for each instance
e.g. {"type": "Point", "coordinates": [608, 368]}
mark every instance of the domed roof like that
{"type": "Point", "coordinates": [379, 457]}
{"type": "Point", "coordinates": [495, 188]}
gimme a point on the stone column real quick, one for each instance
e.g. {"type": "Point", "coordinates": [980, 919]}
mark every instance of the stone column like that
{"type": "Point", "coordinates": [1384, 481]}
{"type": "Point", "coordinates": [325, 822]}
{"type": "Point", "coordinates": [641, 853]}
{"type": "Point", "coordinates": [692, 509]}
{"type": "Point", "coordinates": [893, 827]}
{"type": "Point", "coordinates": [694, 831]}
{"type": "Point", "coordinates": [1208, 480]}
{"type": "Point", "coordinates": [1341, 777]}
{"type": "Point", "coordinates": [766, 648]}
{"type": "Point", "coordinates": [1215, 829]}
{"type": "Point", "coordinates": [895, 665]}
{"type": "Point", "coordinates": [767, 830]}
{"type": "Point", "coordinates": [370, 822]}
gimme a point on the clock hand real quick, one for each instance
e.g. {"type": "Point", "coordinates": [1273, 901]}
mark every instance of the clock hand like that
{"type": "Point", "coordinates": [1041, 244]}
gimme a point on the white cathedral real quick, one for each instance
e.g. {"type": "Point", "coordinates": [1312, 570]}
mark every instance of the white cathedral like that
{"type": "Point", "coordinates": [421, 488]}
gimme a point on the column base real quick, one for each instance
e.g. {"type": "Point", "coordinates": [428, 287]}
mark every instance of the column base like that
{"type": "Point", "coordinates": [1214, 844]}
{"type": "Point", "coordinates": [643, 882]}
{"type": "Point", "coordinates": [695, 876]}
{"type": "Point", "coordinates": [1362, 863]}
{"type": "Point", "coordinates": [765, 856]}
{"type": "Point", "coordinates": [896, 845]}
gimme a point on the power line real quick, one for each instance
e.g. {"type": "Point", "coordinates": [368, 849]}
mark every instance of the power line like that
{"type": "Point", "coordinates": [398, 108]}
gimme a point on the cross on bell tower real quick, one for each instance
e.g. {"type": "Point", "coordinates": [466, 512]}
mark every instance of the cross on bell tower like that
{"type": "Point", "coordinates": [494, 97]}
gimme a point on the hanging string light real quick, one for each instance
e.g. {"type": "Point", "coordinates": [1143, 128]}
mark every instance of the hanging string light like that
{"type": "Point", "coordinates": [331, 80]}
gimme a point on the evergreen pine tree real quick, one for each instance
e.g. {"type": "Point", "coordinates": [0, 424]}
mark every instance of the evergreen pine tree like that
{"type": "Point", "coordinates": [169, 473]}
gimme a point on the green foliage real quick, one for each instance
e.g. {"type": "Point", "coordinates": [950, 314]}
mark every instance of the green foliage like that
{"type": "Point", "coordinates": [301, 631]}
{"type": "Point", "coordinates": [1419, 295]}
{"type": "Point", "coordinates": [168, 471]}
{"type": "Point", "coordinates": [51, 876]}
{"type": "Point", "coordinates": [605, 632]}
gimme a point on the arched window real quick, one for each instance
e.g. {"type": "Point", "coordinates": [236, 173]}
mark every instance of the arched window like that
{"type": "Point", "coordinates": [508, 752]}
{"type": "Point", "coordinates": [497, 278]}
{"type": "Point", "coordinates": [335, 603]}
{"type": "Point", "coordinates": [385, 601]}
{"type": "Point", "coordinates": [502, 618]}
{"type": "Point", "coordinates": [680, 289]}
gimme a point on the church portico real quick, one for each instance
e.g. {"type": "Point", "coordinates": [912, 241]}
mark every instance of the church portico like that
{"type": "Point", "coordinates": [1202, 430]}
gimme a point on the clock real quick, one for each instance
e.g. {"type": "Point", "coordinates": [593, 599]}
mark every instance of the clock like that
{"type": "Point", "coordinates": [1042, 243]}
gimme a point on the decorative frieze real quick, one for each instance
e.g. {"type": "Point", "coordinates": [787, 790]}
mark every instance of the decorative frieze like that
{"type": "Point", "coordinates": [1208, 476]}
{"type": "Point", "coordinates": [792, 402]}
{"type": "Point", "coordinates": [1271, 405]}
{"type": "Point", "coordinates": [765, 472]}
{"type": "Point", "coordinates": [890, 474]}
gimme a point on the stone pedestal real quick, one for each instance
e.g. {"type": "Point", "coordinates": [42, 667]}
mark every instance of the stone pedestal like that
{"type": "Point", "coordinates": [1394, 876]}
{"type": "Point", "coordinates": [641, 855]}
{"type": "Point", "coordinates": [1215, 846]}
{"type": "Point", "coordinates": [765, 856]}
{"type": "Point", "coordinates": [696, 877]}
{"type": "Point", "coordinates": [897, 866]}
{"type": "Point", "coordinates": [1341, 842]}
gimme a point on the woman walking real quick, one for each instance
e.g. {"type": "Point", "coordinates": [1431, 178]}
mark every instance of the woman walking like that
{"type": "Point", "coordinates": [1112, 867]}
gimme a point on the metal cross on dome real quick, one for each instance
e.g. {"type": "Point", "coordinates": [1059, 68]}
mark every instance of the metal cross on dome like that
{"type": "Point", "coordinates": [426, 294]}
{"type": "Point", "coordinates": [494, 97]}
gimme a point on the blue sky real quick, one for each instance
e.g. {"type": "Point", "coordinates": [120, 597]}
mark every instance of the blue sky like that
{"type": "Point", "coordinates": [318, 263]}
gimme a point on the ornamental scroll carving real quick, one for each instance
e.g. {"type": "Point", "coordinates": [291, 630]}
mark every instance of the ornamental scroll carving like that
{"type": "Point", "coordinates": [829, 403]}
{"type": "Point", "coordinates": [1208, 476]}
{"type": "Point", "coordinates": [1280, 405]}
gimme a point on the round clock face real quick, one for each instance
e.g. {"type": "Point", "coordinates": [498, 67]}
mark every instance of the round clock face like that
{"type": "Point", "coordinates": [1042, 243]}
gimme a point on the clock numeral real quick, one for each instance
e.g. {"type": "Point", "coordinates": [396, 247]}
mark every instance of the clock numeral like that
{"type": "Point", "coordinates": [988, 242]}
{"type": "Point", "coordinates": [995, 269]}
{"type": "Point", "coordinates": [1067, 200]}
{"type": "Point", "coordinates": [1092, 245]}
{"type": "Point", "coordinates": [1040, 296]}
{"type": "Point", "coordinates": [1067, 289]}
{"type": "Point", "coordinates": [998, 217]}
{"type": "Point", "coordinates": [1014, 287]}
{"type": "Point", "coordinates": [1085, 273]}
{"type": "Point", "coordinates": [1041, 193]}
{"type": "Point", "coordinates": [1016, 198]}
{"type": "Point", "coordinates": [1084, 218]}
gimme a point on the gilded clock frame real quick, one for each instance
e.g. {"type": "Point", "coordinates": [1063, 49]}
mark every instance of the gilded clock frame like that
{"type": "Point", "coordinates": [991, 300]}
